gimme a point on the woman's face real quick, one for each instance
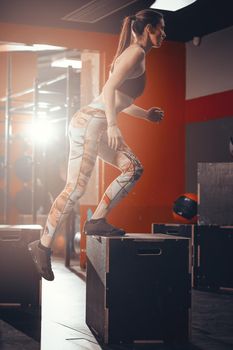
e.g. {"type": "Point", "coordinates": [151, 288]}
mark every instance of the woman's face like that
{"type": "Point", "coordinates": [157, 34]}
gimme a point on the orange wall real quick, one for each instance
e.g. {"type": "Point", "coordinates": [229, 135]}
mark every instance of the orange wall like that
{"type": "Point", "coordinates": [160, 147]}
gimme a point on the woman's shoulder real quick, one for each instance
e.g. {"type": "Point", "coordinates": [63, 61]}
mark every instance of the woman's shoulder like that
{"type": "Point", "coordinates": [134, 51]}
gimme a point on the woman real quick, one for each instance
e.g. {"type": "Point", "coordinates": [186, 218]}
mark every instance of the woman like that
{"type": "Point", "coordinates": [94, 131]}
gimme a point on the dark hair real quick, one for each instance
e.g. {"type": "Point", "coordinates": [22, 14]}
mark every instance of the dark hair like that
{"type": "Point", "coordinates": [136, 23]}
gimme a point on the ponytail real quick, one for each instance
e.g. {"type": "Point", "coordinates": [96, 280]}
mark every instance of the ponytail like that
{"type": "Point", "coordinates": [135, 24]}
{"type": "Point", "coordinates": [125, 38]}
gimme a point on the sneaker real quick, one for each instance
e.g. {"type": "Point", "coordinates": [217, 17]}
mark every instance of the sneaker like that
{"type": "Point", "coordinates": [42, 260]}
{"type": "Point", "coordinates": [100, 227]}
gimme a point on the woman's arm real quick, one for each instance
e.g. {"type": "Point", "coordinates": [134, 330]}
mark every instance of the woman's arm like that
{"type": "Point", "coordinates": [136, 111]}
{"type": "Point", "coordinates": [124, 69]}
{"type": "Point", "coordinates": [153, 114]}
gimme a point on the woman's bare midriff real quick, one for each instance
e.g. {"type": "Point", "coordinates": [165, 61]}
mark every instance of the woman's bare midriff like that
{"type": "Point", "coordinates": [122, 101]}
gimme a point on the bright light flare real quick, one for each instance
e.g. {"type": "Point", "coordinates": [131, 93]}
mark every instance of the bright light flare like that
{"type": "Point", "coordinates": [64, 63]}
{"type": "Point", "coordinates": [41, 132]}
{"type": "Point", "coordinates": [9, 46]}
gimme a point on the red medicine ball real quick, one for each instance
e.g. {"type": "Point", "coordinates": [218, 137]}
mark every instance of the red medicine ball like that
{"type": "Point", "coordinates": [185, 208]}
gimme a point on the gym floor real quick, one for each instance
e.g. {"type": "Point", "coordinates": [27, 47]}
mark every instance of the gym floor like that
{"type": "Point", "coordinates": [61, 324]}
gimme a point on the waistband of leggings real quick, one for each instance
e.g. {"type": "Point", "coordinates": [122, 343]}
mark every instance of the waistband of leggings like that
{"type": "Point", "coordinates": [93, 111]}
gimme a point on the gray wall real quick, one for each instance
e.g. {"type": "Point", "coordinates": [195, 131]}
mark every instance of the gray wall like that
{"type": "Point", "coordinates": [206, 142]}
{"type": "Point", "coordinates": [209, 67]}
{"type": "Point", "coordinates": [215, 182]}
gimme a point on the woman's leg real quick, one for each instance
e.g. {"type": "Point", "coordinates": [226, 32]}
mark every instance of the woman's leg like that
{"type": "Point", "coordinates": [131, 171]}
{"type": "Point", "coordinates": [84, 132]}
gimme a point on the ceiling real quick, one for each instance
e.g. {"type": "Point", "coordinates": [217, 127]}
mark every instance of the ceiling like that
{"type": "Point", "coordinates": [201, 18]}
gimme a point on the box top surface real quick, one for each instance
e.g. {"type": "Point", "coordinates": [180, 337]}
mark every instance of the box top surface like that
{"type": "Point", "coordinates": [144, 236]}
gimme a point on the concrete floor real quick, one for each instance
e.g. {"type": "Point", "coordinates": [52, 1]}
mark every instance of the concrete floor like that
{"type": "Point", "coordinates": [61, 324]}
{"type": "Point", "coordinates": [63, 313]}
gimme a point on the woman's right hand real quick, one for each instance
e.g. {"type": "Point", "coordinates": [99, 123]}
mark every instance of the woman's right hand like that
{"type": "Point", "coordinates": [115, 138]}
{"type": "Point", "coordinates": [155, 114]}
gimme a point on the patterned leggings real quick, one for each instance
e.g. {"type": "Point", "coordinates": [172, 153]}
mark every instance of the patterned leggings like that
{"type": "Point", "coordinates": [88, 139]}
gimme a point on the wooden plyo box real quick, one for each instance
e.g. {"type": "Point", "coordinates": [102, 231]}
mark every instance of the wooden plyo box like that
{"type": "Point", "coordinates": [20, 283]}
{"type": "Point", "coordinates": [138, 288]}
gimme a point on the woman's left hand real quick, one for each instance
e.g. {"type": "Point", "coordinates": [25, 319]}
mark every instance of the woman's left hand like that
{"type": "Point", "coordinates": [115, 139]}
{"type": "Point", "coordinates": [155, 114]}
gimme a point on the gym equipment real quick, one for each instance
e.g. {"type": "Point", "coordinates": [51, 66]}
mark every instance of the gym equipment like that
{"type": "Point", "coordinates": [138, 288]}
{"type": "Point", "coordinates": [215, 258]}
{"type": "Point", "coordinates": [215, 193]}
{"type": "Point", "coordinates": [212, 258]}
{"type": "Point", "coordinates": [185, 208]}
{"type": "Point", "coordinates": [77, 239]}
{"type": "Point", "coordinates": [20, 282]}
